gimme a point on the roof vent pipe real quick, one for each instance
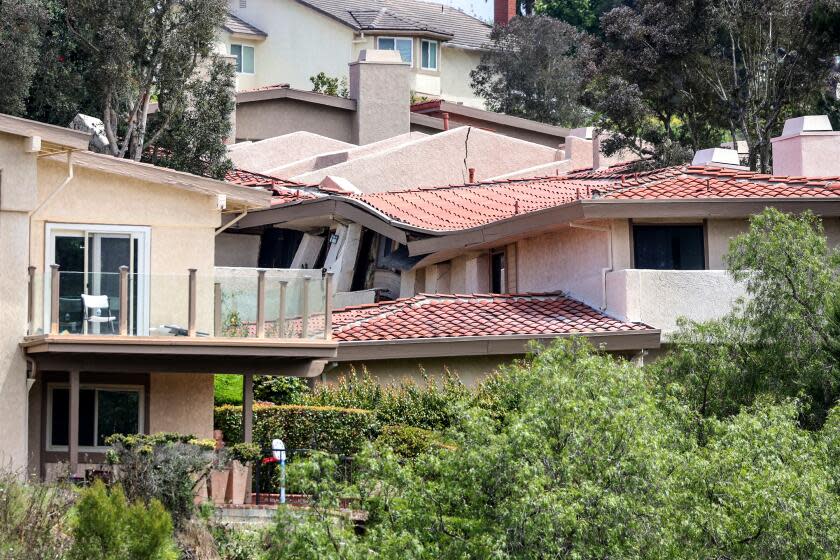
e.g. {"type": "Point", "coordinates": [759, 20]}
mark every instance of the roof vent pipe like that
{"type": "Point", "coordinates": [718, 157]}
{"type": "Point", "coordinates": [445, 121]}
{"type": "Point", "coordinates": [472, 174]}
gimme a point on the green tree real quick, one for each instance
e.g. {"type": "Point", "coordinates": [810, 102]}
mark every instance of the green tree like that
{"type": "Point", "coordinates": [782, 339]}
{"type": "Point", "coordinates": [328, 85]}
{"type": "Point", "coordinates": [578, 456]}
{"type": "Point", "coordinates": [583, 14]}
{"type": "Point", "coordinates": [534, 70]}
{"type": "Point", "coordinates": [20, 41]}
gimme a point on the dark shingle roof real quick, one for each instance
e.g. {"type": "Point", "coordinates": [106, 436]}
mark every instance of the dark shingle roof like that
{"type": "Point", "coordinates": [234, 24]}
{"type": "Point", "coordinates": [465, 30]}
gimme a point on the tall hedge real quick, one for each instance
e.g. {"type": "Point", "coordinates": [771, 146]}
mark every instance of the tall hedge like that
{"type": "Point", "coordinates": [326, 428]}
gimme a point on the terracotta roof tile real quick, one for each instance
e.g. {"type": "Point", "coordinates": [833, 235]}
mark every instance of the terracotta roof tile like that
{"type": "Point", "coordinates": [461, 207]}
{"type": "Point", "coordinates": [450, 315]}
{"type": "Point", "coordinates": [282, 190]}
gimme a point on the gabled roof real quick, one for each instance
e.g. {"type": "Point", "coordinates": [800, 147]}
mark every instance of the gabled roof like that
{"type": "Point", "coordinates": [239, 26]}
{"type": "Point", "coordinates": [454, 315]}
{"type": "Point", "coordinates": [408, 16]}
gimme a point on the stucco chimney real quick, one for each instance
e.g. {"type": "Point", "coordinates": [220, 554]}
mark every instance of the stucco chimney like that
{"type": "Point", "coordinates": [503, 11]}
{"type": "Point", "coordinates": [718, 157]}
{"type": "Point", "coordinates": [808, 146]}
{"type": "Point", "coordinates": [379, 83]}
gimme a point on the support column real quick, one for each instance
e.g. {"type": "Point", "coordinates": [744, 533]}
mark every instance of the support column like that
{"type": "Point", "coordinates": [73, 424]}
{"type": "Point", "coordinates": [248, 421]}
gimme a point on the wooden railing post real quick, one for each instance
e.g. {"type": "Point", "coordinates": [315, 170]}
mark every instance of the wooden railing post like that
{"type": "Point", "coordinates": [281, 317]}
{"type": "Point", "coordinates": [73, 423]}
{"type": "Point", "coordinates": [192, 304]}
{"type": "Point", "coordinates": [123, 300]}
{"type": "Point", "coordinates": [304, 314]}
{"type": "Point", "coordinates": [217, 309]}
{"type": "Point", "coordinates": [261, 304]}
{"type": "Point", "coordinates": [30, 309]}
{"type": "Point", "coordinates": [328, 305]}
{"type": "Point", "coordinates": [54, 290]}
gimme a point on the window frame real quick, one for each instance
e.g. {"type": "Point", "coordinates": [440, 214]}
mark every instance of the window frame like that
{"type": "Point", "coordinates": [96, 387]}
{"type": "Point", "coordinates": [503, 280]}
{"type": "Point", "coordinates": [241, 58]}
{"type": "Point", "coordinates": [436, 67]}
{"type": "Point", "coordinates": [394, 38]}
{"type": "Point", "coordinates": [704, 238]}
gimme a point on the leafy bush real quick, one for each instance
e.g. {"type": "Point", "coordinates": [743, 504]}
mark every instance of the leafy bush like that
{"type": "Point", "coordinates": [432, 406]}
{"type": "Point", "coordinates": [235, 543]}
{"type": "Point", "coordinates": [341, 430]}
{"type": "Point", "coordinates": [409, 442]}
{"type": "Point", "coordinates": [245, 452]}
{"type": "Point", "coordinates": [227, 389]}
{"type": "Point", "coordinates": [278, 389]}
{"type": "Point", "coordinates": [107, 526]}
{"type": "Point", "coordinates": [33, 519]}
{"type": "Point", "coordinates": [163, 466]}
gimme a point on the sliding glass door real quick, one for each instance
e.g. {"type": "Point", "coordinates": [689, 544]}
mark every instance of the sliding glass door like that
{"type": "Point", "coordinates": [89, 259]}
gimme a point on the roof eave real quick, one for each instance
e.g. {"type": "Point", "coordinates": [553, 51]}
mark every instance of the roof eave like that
{"type": "Point", "coordinates": [65, 137]}
{"type": "Point", "coordinates": [442, 347]}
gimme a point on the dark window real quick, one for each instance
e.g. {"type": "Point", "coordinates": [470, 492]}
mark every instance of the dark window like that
{"type": "Point", "coordinates": [118, 413]}
{"type": "Point", "coordinates": [669, 247]}
{"type": "Point", "coordinates": [497, 272]}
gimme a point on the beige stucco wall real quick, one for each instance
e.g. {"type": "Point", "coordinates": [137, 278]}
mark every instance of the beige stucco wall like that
{"type": "Point", "coordinates": [181, 403]}
{"type": "Point", "coordinates": [810, 153]}
{"type": "Point", "coordinates": [301, 43]}
{"type": "Point", "coordinates": [470, 369]}
{"type": "Point", "coordinates": [182, 231]}
{"type": "Point", "coordinates": [258, 120]}
{"type": "Point", "coordinates": [282, 150]}
{"type": "Point", "coordinates": [237, 250]}
{"type": "Point", "coordinates": [455, 68]}
{"type": "Point", "coordinates": [437, 160]}
{"type": "Point", "coordinates": [17, 197]}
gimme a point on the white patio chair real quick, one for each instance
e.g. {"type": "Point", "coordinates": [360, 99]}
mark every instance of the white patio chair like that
{"type": "Point", "coordinates": [94, 306]}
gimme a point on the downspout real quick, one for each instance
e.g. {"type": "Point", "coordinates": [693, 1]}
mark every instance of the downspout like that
{"type": "Point", "coordinates": [233, 221]}
{"type": "Point", "coordinates": [60, 187]}
{"type": "Point", "coordinates": [609, 267]}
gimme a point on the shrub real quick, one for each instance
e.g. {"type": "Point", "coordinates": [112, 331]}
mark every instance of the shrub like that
{"type": "Point", "coordinates": [278, 390]}
{"type": "Point", "coordinates": [227, 389]}
{"type": "Point", "coordinates": [163, 466]}
{"type": "Point", "coordinates": [340, 430]}
{"type": "Point", "coordinates": [432, 405]}
{"type": "Point", "coordinates": [245, 452]}
{"type": "Point", "coordinates": [33, 519]}
{"type": "Point", "coordinates": [107, 526]}
{"type": "Point", "coordinates": [409, 442]}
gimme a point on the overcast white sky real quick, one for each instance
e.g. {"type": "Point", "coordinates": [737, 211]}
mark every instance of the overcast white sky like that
{"type": "Point", "coordinates": [481, 8]}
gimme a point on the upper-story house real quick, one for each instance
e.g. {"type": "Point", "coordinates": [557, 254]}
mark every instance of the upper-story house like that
{"type": "Point", "coordinates": [289, 41]}
{"type": "Point", "coordinates": [479, 269]}
{"type": "Point", "coordinates": [113, 315]}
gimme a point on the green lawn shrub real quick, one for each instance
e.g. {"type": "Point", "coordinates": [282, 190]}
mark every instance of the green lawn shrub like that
{"type": "Point", "coordinates": [327, 428]}
{"type": "Point", "coordinates": [108, 526]}
{"type": "Point", "coordinates": [33, 519]}
{"type": "Point", "coordinates": [409, 442]}
{"type": "Point", "coordinates": [164, 467]}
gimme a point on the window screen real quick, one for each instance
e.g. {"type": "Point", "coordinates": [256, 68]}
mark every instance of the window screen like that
{"type": "Point", "coordinates": [669, 247]}
{"type": "Point", "coordinates": [428, 55]}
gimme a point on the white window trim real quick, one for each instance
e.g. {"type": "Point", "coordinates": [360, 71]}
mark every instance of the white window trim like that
{"type": "Point", "coordinates": [141, 420]}
{"type": "Point", "coordinates": [436, 67]}
{"type": "Point", "coordinates": [143, 261]}
{"type": "Point", "coordinates": [243, 46]}
{"type": "Point", "coordinates": [395, 38]}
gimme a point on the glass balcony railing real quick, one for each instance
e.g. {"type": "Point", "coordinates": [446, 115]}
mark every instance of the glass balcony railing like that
{"type": "Point", "coordinates": [227, 302]}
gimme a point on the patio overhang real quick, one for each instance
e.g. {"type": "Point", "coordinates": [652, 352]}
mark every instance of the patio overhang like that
{"type": "Point", "coordinates": [442, 347]}
{"type": "Point", "coordinates": [88, 353]}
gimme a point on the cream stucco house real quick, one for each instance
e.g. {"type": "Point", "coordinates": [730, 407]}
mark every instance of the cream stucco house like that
{"type": "Point", "coordinates": [463, 276]}
{"type": "Point", "coordinates": [288, 41]}
{"type": "Point", "coordinates": [113, 317]}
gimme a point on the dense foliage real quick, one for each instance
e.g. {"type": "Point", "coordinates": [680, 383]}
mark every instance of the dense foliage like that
{"type": "Point", "coordinates": [327, 428]}
{"type": "Point", "coordinates": [161, 467]}
{"type": "Point", "coordinates": [590, 461]}
{"type": "Point", "coordinates": [145, 68]}
{"type": "Point", "coordinates": [782, 339]}
{"type": "Point", "coordinates": [108, 526]}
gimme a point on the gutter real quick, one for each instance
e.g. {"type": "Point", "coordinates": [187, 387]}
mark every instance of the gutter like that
{"type": "Point", "coordinates": [609, 267]}
{"type": "Point", "coordinates": [445, 347]}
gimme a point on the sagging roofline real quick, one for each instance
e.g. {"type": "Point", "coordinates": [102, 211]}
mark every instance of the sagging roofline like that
{"type": "Point", "coordinates": [422, 241]}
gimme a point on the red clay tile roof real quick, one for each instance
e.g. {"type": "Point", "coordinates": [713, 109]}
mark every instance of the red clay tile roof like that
{"type": "Point", "coordinates": [447, 315]}
{"type": "Point", "coordinates": [282, 190]}
{"type": "Point", "coordinates": [460, 207]}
